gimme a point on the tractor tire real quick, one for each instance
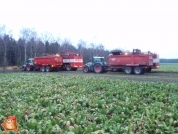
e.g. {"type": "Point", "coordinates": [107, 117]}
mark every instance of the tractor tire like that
{"type": "Point", "coordinates": [68, 67]}
{"type": "Point", "coordinates": [86, 69]}
{"type": "Point", "coordinates": [128, 70]}
{"type": "Point", "coordinates": [29, 68]}
{"type": "Point", "coordinates": [43, 69]}
{"type": "Point", "coordinates": [24, 68]}
{"type": "Point", "coordinates": [48, 69]}
{"type": "Point", "coordinates": [138, 70]}
{"type": "Point", "coordinates": [98, 68]}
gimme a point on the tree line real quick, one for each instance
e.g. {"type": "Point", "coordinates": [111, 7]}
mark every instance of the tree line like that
{"type": "Point", "coordinates": [16, 52]}
{"type": "Point", "coordinates": [168, 60]}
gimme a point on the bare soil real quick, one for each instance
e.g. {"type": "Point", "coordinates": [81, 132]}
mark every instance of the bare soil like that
{"type": "Point", "coordinates": [147, 77]}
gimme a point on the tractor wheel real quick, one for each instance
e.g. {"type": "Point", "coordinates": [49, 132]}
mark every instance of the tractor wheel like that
{"type": "Point", "coordinates": [68, 67]}
{"type": "Point", "coordinates": [43, 69]}
{"type": "Point", "coordinates": [98, 68]}
{"type": "Point", "coordinates": [24, 68]}
{"type": "Point", "coordinates": [85, 69]}
{"type": "Point", "coordinates": [138, 70]}
{"type": "Point", "coordinates": [48, 69]}
{"type": "Point", "coordinates": [127, 70]}
{"type": "Point", "coordinates": [28, 68]}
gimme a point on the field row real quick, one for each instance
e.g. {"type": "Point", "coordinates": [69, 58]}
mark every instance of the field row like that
{"type": "Point", "coordinates": [71, 104]}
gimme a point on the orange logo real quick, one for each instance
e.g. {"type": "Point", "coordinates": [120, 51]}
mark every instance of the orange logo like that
{"type": "Point", "coordinates": [10, 123]}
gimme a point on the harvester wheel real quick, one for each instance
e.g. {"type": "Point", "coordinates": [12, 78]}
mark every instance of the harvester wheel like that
{"type": "Point", "coordinates": [48, 69]}
{"type": "Point", "coordinates": [85, 69]}
{"type": "Point", "coordinates": [68, 67]}
{"type": "Point", "coordinates": [43, 69]}
{"type": "Point", "coordinates": [127, 70]}
{"type": "Point", "coordinates": [98, 68]}
{"type": "Point", "coordinates": [138, 70]}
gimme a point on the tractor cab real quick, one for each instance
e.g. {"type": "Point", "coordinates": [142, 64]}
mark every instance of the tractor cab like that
{"type": "Point", "coordinates": [136, 51]}
{"type": "Point", "coordinates": [97, 65]}
{"type": "Point", "coordinates": [98, 59]}
{"type": "Point", "coordinates": [30, 61]}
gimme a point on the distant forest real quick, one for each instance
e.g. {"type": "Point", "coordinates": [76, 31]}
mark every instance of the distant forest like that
{"type": "Point", "coordinates": [16, 52]}
{"type": "Point", "coordinates": [168, 60]}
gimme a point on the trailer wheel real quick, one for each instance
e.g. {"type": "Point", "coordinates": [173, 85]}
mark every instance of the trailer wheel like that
{"type": "Point", "coordinates": [138, 70]}
{"type": "Point", "coordinates": [85, 69]}
{"type": "Point", "coordinates": [74, 69]}
{"type": "Point", "coordinates": [68, 67]}
{"type": "Point", "coordinates": [48, 69]}
{"type": "Point", "coordinates": [148, 70]}
{"type": "Point", "coordinates": [98, 68]}
{"type": "Point", "coordinates": [43, 69]}
{"type": "Point", "coordinates": [127, 70]}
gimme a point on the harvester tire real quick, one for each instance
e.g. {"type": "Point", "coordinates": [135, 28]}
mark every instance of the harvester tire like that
{"type": "Point", "coordinates": [48, 69]}
{"type": "Point", "coordinates": [85, 69]}
{"type": "Point", "coordinates": [98, 68]}
{"type": "Point", "coordinates": [68, 67]}
{"type": "Point", "coordinates": [43, 69]}
{"type": "Point", "coordinates": [127, 70]}
{"type": "Point", "coordinates": [138, 70]}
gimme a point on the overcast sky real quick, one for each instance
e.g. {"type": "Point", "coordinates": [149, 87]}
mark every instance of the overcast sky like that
{"type": "Point", "coordinates": [145, 24]}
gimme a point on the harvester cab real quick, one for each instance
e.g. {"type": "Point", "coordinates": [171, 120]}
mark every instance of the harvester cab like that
{"type": "Point", "coordinates": [98, 65]}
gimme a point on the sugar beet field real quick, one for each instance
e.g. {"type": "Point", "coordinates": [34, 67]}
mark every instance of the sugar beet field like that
{"type": "Point", "coordinates": [78, 103]}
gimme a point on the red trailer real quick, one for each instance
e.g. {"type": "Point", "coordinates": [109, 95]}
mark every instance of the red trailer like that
{"type": "Point", "coordinates": [135, 62]}
{"type": "Point", "coordinates": [66, 61]}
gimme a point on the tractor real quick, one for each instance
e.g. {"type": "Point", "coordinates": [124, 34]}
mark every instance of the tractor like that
{"type": "Point", "coordinates": [97, 65]}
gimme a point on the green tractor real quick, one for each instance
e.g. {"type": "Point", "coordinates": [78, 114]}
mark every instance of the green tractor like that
{"type": "Point", "coordinates": [98, 65]}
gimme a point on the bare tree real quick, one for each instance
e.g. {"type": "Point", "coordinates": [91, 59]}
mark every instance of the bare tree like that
{"type": "Point", "coordinates": [47, 38]}
{"type": "Point", "coordinates": [5, 35]}
{"type": "Point", "coordinates": [27, 34]}
{"type": "Point", "coordinates": [81, 46]}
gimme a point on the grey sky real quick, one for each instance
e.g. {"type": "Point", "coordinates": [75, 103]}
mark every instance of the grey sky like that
{"type": "Point", "coordinates": [145, 24]}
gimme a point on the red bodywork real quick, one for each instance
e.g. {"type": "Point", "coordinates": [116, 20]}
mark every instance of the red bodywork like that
{"type": "Point", "coordinates": [59, 61]}
{"type": "Point", "coordinates": [156, 62]}
{"type": "Point", "coordinates": [50, 60]}
{"type": "Point", "coordinates": [129, 59]}
{"type": "Point", "coordinates": [73, 59]}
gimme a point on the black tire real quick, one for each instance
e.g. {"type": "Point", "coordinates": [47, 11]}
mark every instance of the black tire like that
{"type": "Point", "coordinates": [24, 68]}
{"type": "Point", "coordinates": [98, 68]}
{"type": "Point", "coordinates": [85, 69]}
{"type": "Point", "coordinates": [48, 69]}
{"type": "Point", "coordinates": [138, 70]}
{"type": "Point", "coordinates": [74, 69]}
{"type": "Point", "coordinates": [148, 70]}
{"type": "Point", "coordinates": [28, 68]}
{"type": "Point", "coordinates": [43, 69]}
{"type": "Point", "coordinates": [68, 67]}
{"type": "Point", "coordinates": [128, 70]}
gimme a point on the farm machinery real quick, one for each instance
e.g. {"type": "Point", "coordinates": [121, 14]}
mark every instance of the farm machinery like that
{"type": "Point", "coordinates": [46, 63]}
{"type": "Point", "coordinates": [134, 62]}
{"type": "Point", "coordinates": [98, 65]}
